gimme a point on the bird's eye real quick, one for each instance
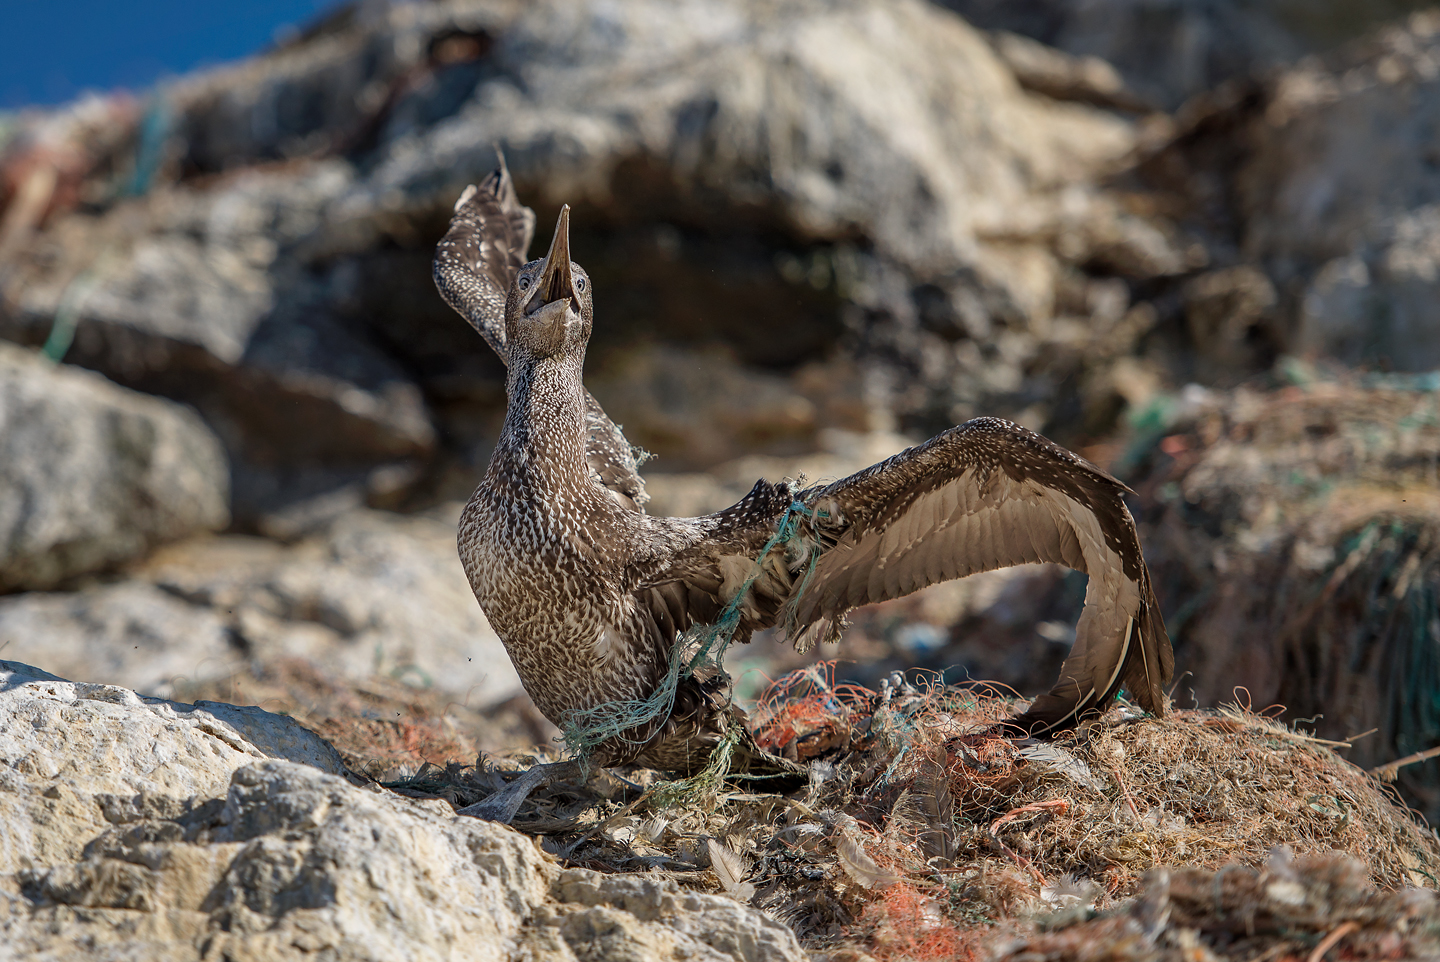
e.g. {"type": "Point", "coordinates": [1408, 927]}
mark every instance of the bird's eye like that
{"type": "Point", "coordinates": [579, 283]}
{"type": "Point", "coordinates": [524, 283]}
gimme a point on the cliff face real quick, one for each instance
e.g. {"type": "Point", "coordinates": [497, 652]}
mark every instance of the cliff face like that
{"type": "Point", "coordinates": [875, 215]}
{"type": "Point", "coordinates": [1168, 51]}
{"type": "Point", "coordinates": [769, 185]}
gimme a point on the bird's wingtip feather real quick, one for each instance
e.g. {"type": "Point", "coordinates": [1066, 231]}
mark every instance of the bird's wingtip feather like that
{"type": "Point", "coordinates": [465, 197]}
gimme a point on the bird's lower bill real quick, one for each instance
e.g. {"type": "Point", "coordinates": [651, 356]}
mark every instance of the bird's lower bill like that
{"type": "Point", "coordinates": [547, 324]}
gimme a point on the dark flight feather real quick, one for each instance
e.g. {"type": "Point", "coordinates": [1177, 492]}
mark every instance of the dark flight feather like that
{"type": "Point", "coordinates": [985, 495]}
{"type": "Point", "coordinates": [482, 252]}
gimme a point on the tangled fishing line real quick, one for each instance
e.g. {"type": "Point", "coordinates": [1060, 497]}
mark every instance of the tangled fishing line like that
{"type": "Point", "coordinates": [700, 646]}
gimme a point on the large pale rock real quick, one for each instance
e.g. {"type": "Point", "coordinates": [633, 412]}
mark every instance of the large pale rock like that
{"type": "Point", "coordinates": [297, 862]}
{"type": "Point", "coordinates": [76, 759]}
{"type": "Point", "coordinates": [132, 634]}
{"type": "Point", "coordinates": [788, 180]}
{"type": "Point", "coordinates": [936, 205]}
{"type": "Point", "coordinates": [613, 916]}
{"type": "Point", "coordinates": [907, 174]}
{"type": "Point", "coordinates": [896, 120]}
{"type": "Point", "coordinates": [94, 475]}
{"type": "Point", "coordinates": [137, 828]}
{"type": "Point", "coordinates": [372, 593]}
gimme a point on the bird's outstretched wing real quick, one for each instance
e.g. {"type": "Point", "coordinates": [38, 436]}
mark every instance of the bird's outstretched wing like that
{"type": "Point", "coordinates": [475, 262]}
{"type": "Point", "coordinates": [985, 495]}
{"type": "Point", "coordinates": [482, 252]}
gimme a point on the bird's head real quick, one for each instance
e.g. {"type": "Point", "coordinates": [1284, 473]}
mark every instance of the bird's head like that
{"type": "Point", "coordinates": [549, 310]}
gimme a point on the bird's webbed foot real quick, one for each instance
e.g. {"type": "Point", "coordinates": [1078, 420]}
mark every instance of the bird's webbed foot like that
{"type": "Point", "coordinates": [502, 805]}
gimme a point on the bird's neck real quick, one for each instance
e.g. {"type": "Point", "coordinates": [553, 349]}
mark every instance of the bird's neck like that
{"type": "Point", "coordinates": [543, 439]}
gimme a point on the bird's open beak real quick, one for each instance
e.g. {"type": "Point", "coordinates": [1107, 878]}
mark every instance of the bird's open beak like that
{"type": "Point", "coordinates": [556, 283]}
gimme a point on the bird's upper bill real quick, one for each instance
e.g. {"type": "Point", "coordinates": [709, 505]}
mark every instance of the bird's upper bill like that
{"type": "Point", "coordinates": [555, 291]}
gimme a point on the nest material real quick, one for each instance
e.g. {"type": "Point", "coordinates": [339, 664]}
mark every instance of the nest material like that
{"type": "Point", "coordinates": [1287, 909]}
{"type": "Point", "coordinates": [926, 835]}
{"type": "Point", "coordinates": [1294, 536]}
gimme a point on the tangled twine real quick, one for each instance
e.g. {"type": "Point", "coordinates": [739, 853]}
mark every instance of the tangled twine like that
{"type": "Point", "coordinates": [586, 729]}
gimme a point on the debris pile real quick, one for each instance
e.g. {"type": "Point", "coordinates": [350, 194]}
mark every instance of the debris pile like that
{"type": "Point", "coordinates": [1294, 534]}
{"type": "Point", "coordinates": [1290, 908]}
{"type": "Point", "coordinates": [927, 833]}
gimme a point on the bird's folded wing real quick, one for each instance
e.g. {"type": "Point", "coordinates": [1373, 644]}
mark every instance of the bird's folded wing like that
{"type": "Point", "coordinates": [732, 561]}
{"type": "Point", "coordinates": [612, 458]}
{"type": "Point", "coordinates": [475, 262]}
{"type": "Point", "coordinates": [482, 252]}
{"type": "Point", "coordinates": [985, 495]}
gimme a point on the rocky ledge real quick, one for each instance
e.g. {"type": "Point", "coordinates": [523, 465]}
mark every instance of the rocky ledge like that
{"type": "Point", "coordinates": [139, 828]}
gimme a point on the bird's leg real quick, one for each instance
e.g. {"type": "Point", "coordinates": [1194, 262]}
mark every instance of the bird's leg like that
{"type": "Point", "coordinates": [502, 805]}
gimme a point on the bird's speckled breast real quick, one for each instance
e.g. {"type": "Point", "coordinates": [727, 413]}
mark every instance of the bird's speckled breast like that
{"type": "Point", "coordinates": [565, 624]}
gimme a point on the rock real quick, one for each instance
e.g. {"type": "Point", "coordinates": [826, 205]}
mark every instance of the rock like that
{"type": "Point", "coordinates": [1347, 240]}
{"type": "Point", "coordinates": [840, 453]}
{"type": "Point", "coordinates": [300, 857]}
{"type": "Point", "coordinates": [1357, 234]}
{"type": "Point", "coordinates": [867, 181]}
{"type": "Point", "coordinates": [1171, 50]}
{"type": "Point", "coordinates": [734, 86]}
{"type": "Point", "coordinates": [188, 294]}
{"type": "Point", "coordinates": [373, 593]}
{"type": "Point", "coordinates": [295, 861]}
{"type": "Point", "coordinates": [753, 83]}
{"type": "Point", "coordinates": [680, 924]}
{"type": "Point", "coordinates": [1054, 73]}
{"type": "Point", "coordinates": [95, 475]}
{"type": "Point", "coordinates": [879, 193]}
{"type": "Point", "coordinates": [132, 634]}
{"type": "Point", "coordinates": [80, 758]}
{"type": "Point", "coordinates": [661, 393]}
{"type": "Point", "coordinates": [1230, 318]}
{"type": "Point", "coordinates": [46, 159]}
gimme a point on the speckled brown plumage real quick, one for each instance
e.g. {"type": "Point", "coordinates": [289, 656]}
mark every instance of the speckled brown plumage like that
{"type": "Point", "coordinates": [475, 263]}
{"type": "Point", "coordinates": [589, 595]}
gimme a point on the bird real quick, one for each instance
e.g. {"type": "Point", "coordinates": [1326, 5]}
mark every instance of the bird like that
{"type": "Point", "coordinates": [594, 599]}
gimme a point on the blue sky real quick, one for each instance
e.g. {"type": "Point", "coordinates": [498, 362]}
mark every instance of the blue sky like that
{"type": "Point", "coordinates": [50, 51]}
